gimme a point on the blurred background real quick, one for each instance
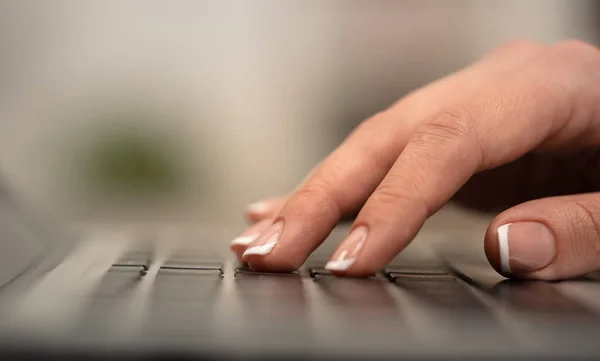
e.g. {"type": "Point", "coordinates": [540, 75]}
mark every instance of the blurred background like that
{"type": "Point", "coordinates": [126, 109]}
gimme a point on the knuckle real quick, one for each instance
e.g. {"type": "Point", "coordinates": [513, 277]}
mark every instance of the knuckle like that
{"type": "Point", "coordinates": [451, 124]}
{"type": "Point", "coordinates": [588, 219]}
{"type": "Point", "coordinates": [388, 197]}
{"type": "Point", "coordinates": [319, 194]}
{"type": "Point", "coordinates": [451, 131]}
{"type": "Point", "coordinates": [582, 230]}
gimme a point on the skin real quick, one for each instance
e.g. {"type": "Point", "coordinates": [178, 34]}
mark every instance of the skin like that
{"type": "Point", "coordinates": [518, 132]}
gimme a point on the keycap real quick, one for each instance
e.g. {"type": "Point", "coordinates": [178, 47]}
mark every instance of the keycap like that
{"type": "Point", "coordinates": [529, 297]}
{"type": "Point", "coordinates": [181, 303]}
{"type": "Point", "coordinates": [369, 293]}
{"type": "Point", "coordinates": [272, 303]}
{"type": "Point", "coordinates": [246, 270]}
{"type": "Point", "coordinates": [438, 291]}
{"type": "Point", "coordinates": [193, 258]}
{"type": "Point", "coordinates": [194, 266]}
{"type": "Point", "coordinates": [137, 258]}
{"type": "Point", "coordinates": [112, 295]}
{"type": "Point", "coordinates": [417, 259]}
{"type": "Point", "coordinates": [537, 297]}
{"type": "Point", "coordinates": [416, 268]}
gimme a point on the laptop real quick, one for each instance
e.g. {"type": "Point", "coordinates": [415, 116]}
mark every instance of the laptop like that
{"type": "Point", "coordinates": [176, 293]}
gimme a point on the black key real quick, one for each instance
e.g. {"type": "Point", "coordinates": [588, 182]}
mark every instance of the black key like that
{"type": "Point", "coordinates": [416, 268]}
{"type": "Point", "coordinates": [317, 271]}
{"type": "Point", "coordinates": [136, 258]}
{"type": "Point", "coordinates": [260, 290]}
{"type": "Point", "coordinates": [438, 291]}
{"type": "Point", "coordinates": [181, 303]}
{"type": "Point", "coordinates": [193, 266]}
{"type": "Point", "coordinates": [272, 304]}
{"type": "Point", "coordinates": [359, 293]}
{"type": "Point", "coordinates": [531, 297]}
{"type": "Point", "coordinates": [246, 270]}
{"type": "Point", "coordinates": [537, 297]}
{"type": "Point", "coordinates": [417, 259]}
{"type": "Point", "coordinates": [112, 295]}
{"type": "Point", "coordinates": [193, 258]}
{"type": "Point", "coordinates": [359, 309]}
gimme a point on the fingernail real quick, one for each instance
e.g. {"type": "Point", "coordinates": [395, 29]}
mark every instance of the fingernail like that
{"type": "Point", "coordinates": [347, 253]}
{"type": "Point", "coordinates": [245, 240]}
{"type": "Point", "coordinates": [251, 234]}
{"type": "Point", "coordinates": [259, 207]}
{"type": "Point", "coordinates": [525, 247]}
{"type": "Point", "coordinates": [265, 243]}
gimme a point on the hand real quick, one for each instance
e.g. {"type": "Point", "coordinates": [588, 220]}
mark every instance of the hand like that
{"type": "Point", "coordinates": [524, 102]}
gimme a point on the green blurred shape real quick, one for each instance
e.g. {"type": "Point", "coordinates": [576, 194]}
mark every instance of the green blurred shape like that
{"type": "Point", "coordinates": [133, 156]}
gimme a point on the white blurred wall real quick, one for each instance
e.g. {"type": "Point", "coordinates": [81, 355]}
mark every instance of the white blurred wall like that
{"type": "Point", "coordinates": [259, 88]}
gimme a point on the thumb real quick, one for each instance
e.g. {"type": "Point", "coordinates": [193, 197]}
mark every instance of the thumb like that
{"type": "Point", "coordinates": [547, 239]}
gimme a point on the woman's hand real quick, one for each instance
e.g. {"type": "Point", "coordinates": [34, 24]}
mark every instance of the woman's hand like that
{"type": "Point", "coordinates": [521, 105]}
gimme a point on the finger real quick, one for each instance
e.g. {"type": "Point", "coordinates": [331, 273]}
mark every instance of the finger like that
{"type": "Point", "coordinates": [345, 179]}
{"type": "Point", "coordinates": [342, 182]}
{"type": "Point", "coordinates": [501, 123]}
{"type": "Point", "coordinates": [270, 207]}
{"type": "Point", "coordinates": [264, 209]}
{"type": "Point", "coordinates": [239, 244]}
{"type": "Point", "coordinates": [548, 239]}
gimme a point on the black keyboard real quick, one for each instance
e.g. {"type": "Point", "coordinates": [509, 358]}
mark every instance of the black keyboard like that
{"type": "Point", "coordinates": [200, 299]}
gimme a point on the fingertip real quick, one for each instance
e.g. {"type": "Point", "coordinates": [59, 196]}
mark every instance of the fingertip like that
{"type": "Point", "coordinates": [257, 211]}
{"type": "Point", "coordinates": [239, 244]}
{"type": "Point", "coordinates": [491, 246]}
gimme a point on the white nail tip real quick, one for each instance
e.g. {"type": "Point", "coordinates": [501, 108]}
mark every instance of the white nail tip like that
{"type": "Point", "coordinates": [260, 250]}
{"type": "Point", "coordinates": [258, 207]}
{"type": "Point", "coordinates": [341, 265]}
{"type": "Point", "coordinates": [245, 240]}
{"type": "Point", "coordinates": [503, 248]}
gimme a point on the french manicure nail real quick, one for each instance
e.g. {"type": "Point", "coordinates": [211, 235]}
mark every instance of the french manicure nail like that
{"type": "Point", "coordinates": [250, 235]}
{"type": "Point", "coordinates": [245, 240]}
{"type": "Point", "coordinates": [525, 246]}
{"type": "Point", "coordinates": [265, 243]}
{"type": "Point", "coordinates": [347, 253]}
{"type": "Point", "coordinates": [259, 207]}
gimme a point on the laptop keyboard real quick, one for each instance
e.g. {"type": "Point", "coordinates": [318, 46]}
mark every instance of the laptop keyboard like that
{"type": "Point", "coordinates": [435, 283]}
{"type": "Point", "coordinates": [203, 297]}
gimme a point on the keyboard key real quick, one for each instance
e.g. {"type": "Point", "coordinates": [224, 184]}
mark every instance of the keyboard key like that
{"type": "Point", "coordinates": [369, 293]}
{"type": "Point", "coordinates": [136, 258]}
{"type": "Point", "coordinates": [272, 304]}
{"type": "Point", "coordinates": [181, 303]}
{"type": "Point", "coordinates": [246, 270]}
{"type": "Point", "coordinates": [193, 267]}
{"type": "Point", "coordinates": [110, 298]}
{"type": "Point", "coordinates": [417, 259]}
{"type": "Point", "coordinates": [443, 292]}
{"type": "Point", "coordinates": [537, 297]}
{"type": "Point", "coordinates": [416, 268]}
{"type": "Point", "coordinates": [317, 271]}
{"type": "Point", "coordinates": [260, 290]}
{"type": "Point", "coordinates": [531, 298]}
{"type": "Point", "coordinates": [193, 258]}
